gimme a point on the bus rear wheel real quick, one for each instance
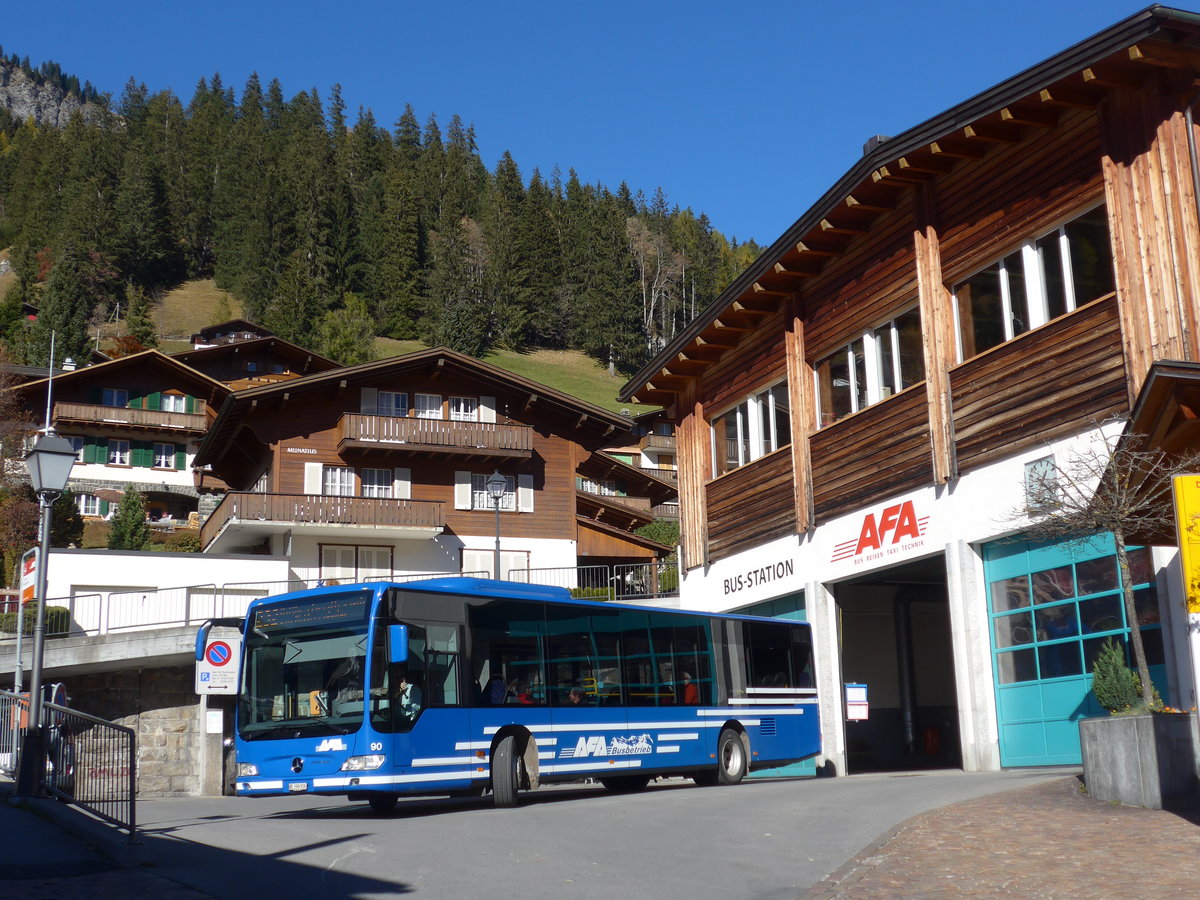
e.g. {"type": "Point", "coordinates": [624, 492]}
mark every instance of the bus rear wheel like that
{"type": "Point", "coordinates": [625, 784]}
{"type": "Point", "coordinates": [382, 803]}
{"type": "Point", "coordinates": [506, 772]}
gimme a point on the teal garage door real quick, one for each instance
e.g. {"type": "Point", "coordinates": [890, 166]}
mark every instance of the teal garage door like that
{"type": "Point", "coordinates": [1051, 609]}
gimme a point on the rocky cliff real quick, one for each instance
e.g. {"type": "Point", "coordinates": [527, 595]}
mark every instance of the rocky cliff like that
{"type": "Point", "coordinates": [48, 104]}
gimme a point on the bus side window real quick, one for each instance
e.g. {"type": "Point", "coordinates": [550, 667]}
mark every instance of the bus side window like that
{"type": "Point", "coordinates": [769, 655]}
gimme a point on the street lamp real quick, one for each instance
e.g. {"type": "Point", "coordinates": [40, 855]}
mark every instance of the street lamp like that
{"type": "Point", "coordinates": [50, 463]}
{"type": "Point", "coordinates": [495, 485]}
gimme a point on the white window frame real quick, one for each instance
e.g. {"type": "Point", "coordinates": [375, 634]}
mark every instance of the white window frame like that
{"type": "Point", "coordinates": [391, 403]}
{"type": "Point", "coordinates": [873, 358]}
{"type": "Point", "coordinates": [757, 430]}
{"type": "Point", "coordinates": [118, 452]}
{"type": "Point", "coordinates": [428, 406]}
{"type": "Point", "coordinates": [377, 482]}
{"type": "Point", "coordinates": [160, 456]}
{"type": "Point", "coordinates": [349, 562]}
{"type": "Point", "coordinates": [481, 499]}
{"type": "Point", "coordinates": [173, 403]}
{"type": "Point", "coordinates": [1036, 292]}
{"type": "Point", "coordinates": [337, 481]}
{"type": "Point", "coordinates": [87, 504]}
{"type": "Point", "coordinates": [464, 409]}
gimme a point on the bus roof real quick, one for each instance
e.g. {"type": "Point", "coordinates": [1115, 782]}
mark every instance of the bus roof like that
{"type": "Point", "coordinates": [487, 587]}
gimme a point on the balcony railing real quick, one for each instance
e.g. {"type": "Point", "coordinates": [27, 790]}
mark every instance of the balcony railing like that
{"type": "Point", "coordinates": [657, 442]}
{"type": "Point", "coordinates": [443, 435]}
{"type": "Point", "coordinates": [91, 413]}
{"type": "Point", "coordinates": [310, 509]}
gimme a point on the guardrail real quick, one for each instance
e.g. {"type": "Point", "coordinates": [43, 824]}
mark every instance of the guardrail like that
{"type": "Point", "coordinates": [90, 762]}
{"type": "Point", "coordinates": [633, 581]}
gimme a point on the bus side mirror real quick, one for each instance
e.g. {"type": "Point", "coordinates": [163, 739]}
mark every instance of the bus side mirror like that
{"type": "Point", "coordinates": [397, 637]}
{"type": "Point", "coordinates": [202, 638]}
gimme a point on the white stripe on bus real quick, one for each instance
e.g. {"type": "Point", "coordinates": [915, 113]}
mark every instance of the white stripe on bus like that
{"type": "Point", "coordinates": [684, 736]}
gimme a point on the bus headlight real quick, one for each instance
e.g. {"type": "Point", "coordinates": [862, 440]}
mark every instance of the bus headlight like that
{"type": "Point", "coordinates": [246, 770]}
{"type": "Point", "coordinates": [363, 763]}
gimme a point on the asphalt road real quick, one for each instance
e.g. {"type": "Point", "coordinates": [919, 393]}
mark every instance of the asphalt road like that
{"type": "Point", "coordinates": [760, 839]}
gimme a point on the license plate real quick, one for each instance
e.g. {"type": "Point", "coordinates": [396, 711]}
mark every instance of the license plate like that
{"type": "Point", "coordinates": [297, 786]}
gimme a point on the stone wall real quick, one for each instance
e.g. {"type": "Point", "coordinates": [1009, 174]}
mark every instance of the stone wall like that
{"type": "Point", "coordinates": [161, 705]}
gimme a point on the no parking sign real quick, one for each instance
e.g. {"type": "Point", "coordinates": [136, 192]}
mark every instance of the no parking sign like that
{"type": "Point", "coordinates": [217, 669]}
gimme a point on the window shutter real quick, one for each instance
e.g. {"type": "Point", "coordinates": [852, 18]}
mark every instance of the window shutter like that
{"type": "Point", "coordinates": [141, 454]}
{"type": "Point", "coordinates": [462, 490]}
{"type": "Point", "coordinates": [135, 402]}
{"type": "Point", "coordinates": [90, 450]}
{"type": "Point", "coordinates": [104, 507]}
{"type": "Point", "coordinates": [180, 458]}
{"type": "Point", "coordinates": [154, 401]}
{"type": "Point", "coordinates": [525, 493]}
{"type": "Point", "coordinates": [312, 478]}
{"type": "Point", "coordinates": [368, 401]}
{"type": "Point", "coordinates": [189, 403]}
{"type": "Point", "coordinates": [402, 483]}
{"type": "Point", "coordinates": [487, 409]}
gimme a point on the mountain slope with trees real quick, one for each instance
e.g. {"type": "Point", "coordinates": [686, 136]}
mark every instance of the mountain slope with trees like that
{"type": "Point", "coordinates": [327, 231]}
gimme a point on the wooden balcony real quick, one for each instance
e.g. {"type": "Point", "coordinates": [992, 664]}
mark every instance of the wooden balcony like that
{"type": "Point", "coordinates": [657, 442]}
{"type": "Point", "coordinates": [245, 517]}
{"type": "Point", "coordinates": [145, 419]}
{"type": "Point", "coordinates": [397, 434]}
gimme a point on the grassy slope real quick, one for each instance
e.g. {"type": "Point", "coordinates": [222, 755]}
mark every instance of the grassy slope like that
{"type": "Point", "coordinates": [191, 306]}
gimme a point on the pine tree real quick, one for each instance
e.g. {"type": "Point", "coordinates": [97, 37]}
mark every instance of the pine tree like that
{"type": "Point", "coordinates": [348, 334]}
{"type": "Point", "coordinates": [139, 323]}
{"type": "Point", "coordinates": [79, 283]}
{"type": "Point", "coordinates": [507, 276]}
{"type": "Point", "coordinates": [129, 529]}
{"type": "Point", "coordinates": [459, 315]}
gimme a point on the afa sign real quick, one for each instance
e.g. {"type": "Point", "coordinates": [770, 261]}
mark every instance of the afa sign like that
{"type": "Point", "coordinates": [217, 670]}
{"type": "Point", "coordinates": [895, 529]}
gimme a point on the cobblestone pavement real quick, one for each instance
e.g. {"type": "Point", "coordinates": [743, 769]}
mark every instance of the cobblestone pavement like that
{"type": "Point", "coordinates": [1044, 842]}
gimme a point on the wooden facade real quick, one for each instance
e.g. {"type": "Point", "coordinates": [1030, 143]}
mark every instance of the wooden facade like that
{"type": "Point", "coordinates": [1102, 126]}
{"type": "Point", "coordinates": [420, 433]}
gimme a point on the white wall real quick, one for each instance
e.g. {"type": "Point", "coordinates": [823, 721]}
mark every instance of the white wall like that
{"type": "Point", "coordinates": [87, 571]}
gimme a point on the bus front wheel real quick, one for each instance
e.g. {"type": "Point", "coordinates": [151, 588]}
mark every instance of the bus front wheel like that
{"type": "Point", "coordinates": [506, 774]}
{"type": "Point", "coordinates": [731, 761]}
{"type": "Point", "coordinates": [382, 803]}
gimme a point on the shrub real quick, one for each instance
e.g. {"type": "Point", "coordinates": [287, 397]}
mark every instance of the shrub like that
{"type": "Point", "coordinates": [183, 542]}
{"type": "Point", "coordinates": [1115, 685]}
{"type": "Point", "coordinates": [58, 620]}
{"type": "Point", "coordinates": [591, 593]}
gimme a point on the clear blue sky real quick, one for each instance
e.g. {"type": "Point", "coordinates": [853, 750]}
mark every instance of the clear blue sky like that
{"type": "Point", "coordinates": [747, 111]}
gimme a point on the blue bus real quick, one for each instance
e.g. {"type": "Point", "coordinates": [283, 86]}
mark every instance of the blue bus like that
{"type": "Point", "coordinates": [462, 685]}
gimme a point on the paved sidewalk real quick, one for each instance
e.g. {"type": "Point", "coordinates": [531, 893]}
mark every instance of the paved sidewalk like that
{"type": "Point", "coordinates": [1044, 842]}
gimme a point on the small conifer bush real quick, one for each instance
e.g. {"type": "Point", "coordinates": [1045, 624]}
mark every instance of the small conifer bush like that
{"type": "Point", "coordinates": [1114, 683]}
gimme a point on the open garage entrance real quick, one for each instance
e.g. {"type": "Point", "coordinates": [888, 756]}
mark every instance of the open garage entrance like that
{"type": "Point", "coordinates": [894, 632]}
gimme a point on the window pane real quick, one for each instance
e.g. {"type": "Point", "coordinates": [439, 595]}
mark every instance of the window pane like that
{"type": "Point", "coordinates": [376, 482]}
{"type": "Point", "coordinates": [911, 350]}
{"type": "Point", "coordinates": [1013, 630]}
{"type": "Point", "coordinates": [1011, 593]}
{"type": "Point", "coordinates": [1053, 584]}
{"type": "Point", "coordinates": [839, 386]}
{"type": "Point", "coordinates": [1096, 575]}
{"type": "Point", "coordinates": [783, 426]}
{"type": "Point", "coordinates": [1057, 622]}
{"type": "Point", "coordinates": [391, 403]}
{"type": "Point", "coordinates": [1018, 297]}
{"type": "Point", "coordinates": [1101, 614]}
{"type": "Point", "coordinates": [887, 359]}
{"type": "Point", "coordinates": [1059, 660]}
{"type": "Point", "coordinates": [859, 353]}
{"type": "Point", "coordinates": [1145, 603]}
{"type": "Point", "coordinates": [981, 315]}
{"type": "Point", "coordinates": [1091, 256]}
{"type": "Point", "coordinates": [1015, 666]}
{"type": "Point", "coordinates": [337, 481]}
{"type": "Point", "coordinates": [1050, 256]}
{"type": "Point", "coordinates": [1141, 568]}
{"type": "Point", "coordinates": [1152, 643]}
{"type": "Point", "coordinates": [429, 406]}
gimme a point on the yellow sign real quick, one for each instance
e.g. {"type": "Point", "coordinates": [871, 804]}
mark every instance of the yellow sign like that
{"type": "Point", "coordinates": [1187, 524]}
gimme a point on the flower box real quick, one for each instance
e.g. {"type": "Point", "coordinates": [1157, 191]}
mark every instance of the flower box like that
{"type": "Point", "coordinates": [1139, 760]}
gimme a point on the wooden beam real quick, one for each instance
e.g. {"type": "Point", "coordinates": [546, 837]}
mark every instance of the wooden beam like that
{"type": "Point", "coordinates": [760, 291]}
{"type": "Point", "coordinates": [760, 303]}
{"type": "Point", "coordinates": [957, 150]}
{"type": "Point", "coordinates": [885, 175]}
{"type": "Point", "coordinates": [1107, 76]}
{"type": "Point", "coordinates": [718, 340]}
{"type": "Point", "coordinates": [876, 207]}
{"type": "Point", "coordinates": [830, 228]}
{"type": "Point", "coordinates": [730, 326]}
{"type": "Point", "coordinates": [930, 166]}
{"type": "Point", "coordinates": [1040, 118]}
{"type": "Point", "coordinates": [981, 132]}
{"type": "Point", "coordinates": [792, 272]}
{"type": "Point", "coordinates": [1170, 56]}
{"type": "Point", "coordinates": [1061, 96]}
{"type": "Point", "coordinates": [703, 352]}
{"type": "Point", "coordinates": [808, 250]}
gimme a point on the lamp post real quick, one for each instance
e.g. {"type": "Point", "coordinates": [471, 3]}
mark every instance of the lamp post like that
{"type": "Point", "coordinates": [496, 484]}
{"type": "Point", "coordinates": [49, 463]}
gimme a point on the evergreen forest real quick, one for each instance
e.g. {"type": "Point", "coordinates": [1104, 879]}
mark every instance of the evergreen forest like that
{"type": "Point", "coordinates": [330, 231]}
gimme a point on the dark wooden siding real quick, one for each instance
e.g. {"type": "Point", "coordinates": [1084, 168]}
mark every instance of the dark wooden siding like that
{"type": "Point", "coordinates": [757, 361]}
{"type": "Point", "coordinates": [751, 505]}
{"type": "Point", "coordinates": [880, 451]}
{"type": "Point", "coordinates": [1047, 383]}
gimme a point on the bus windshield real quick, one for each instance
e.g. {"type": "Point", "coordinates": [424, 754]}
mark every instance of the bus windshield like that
{"type": "Point", "coordinates": [304, 668]}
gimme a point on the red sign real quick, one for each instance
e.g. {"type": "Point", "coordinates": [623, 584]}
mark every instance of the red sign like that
{"type": "Point", "coordinates": [29, 575]}
{"type": "Point", "coordinates": [218, 653]}
{"type": "Point", "coordinates": [884, 534]}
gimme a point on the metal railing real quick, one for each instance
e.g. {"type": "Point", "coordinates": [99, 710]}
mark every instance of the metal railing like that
{"type": "Point", "coordinates": [90, 762]}
{"type": "Point", "coordinates": [633, 581]}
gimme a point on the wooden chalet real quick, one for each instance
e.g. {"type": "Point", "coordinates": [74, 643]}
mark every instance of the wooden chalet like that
{"type": "Point", "coordinates": [858, 412]}
{"type": "Point", "coordinates": [381, 468]}
{"type": "Point", "coordinates": [255, 361]}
